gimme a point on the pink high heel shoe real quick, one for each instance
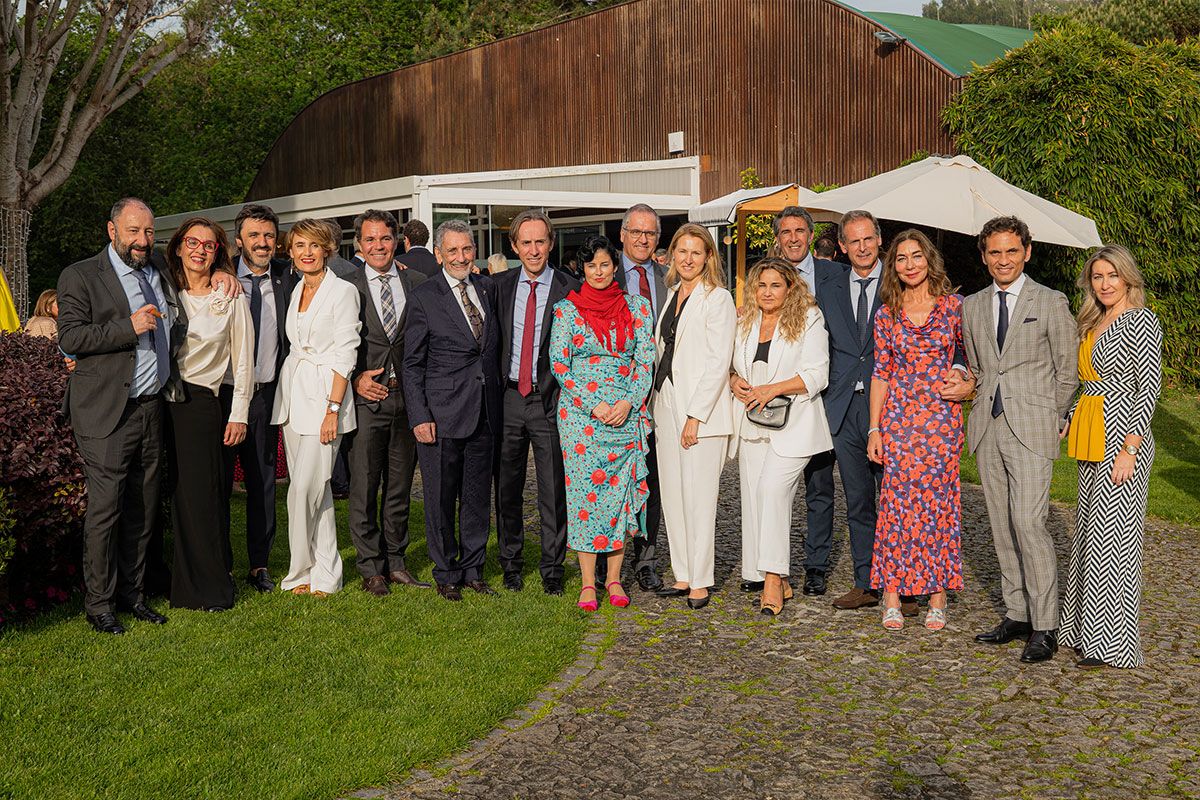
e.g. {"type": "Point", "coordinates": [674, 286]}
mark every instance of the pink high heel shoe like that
{"type": "Point", "coordinates": [618, 600]}
{"type": "Point", "coordinates": [588, 605]}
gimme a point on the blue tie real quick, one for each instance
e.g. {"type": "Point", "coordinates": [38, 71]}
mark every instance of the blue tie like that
{"type": "Point", "coordinates": [158, 336]}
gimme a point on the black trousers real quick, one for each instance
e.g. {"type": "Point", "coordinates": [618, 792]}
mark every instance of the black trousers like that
{"type": "Point", "coordinates": [860, 480]}
{"type": "Point", "coordinates": [645, 552]}
{"type": "Point", "coordinates": [456, 475]}
{"type": "Point", "coordinates": [526, 422]}
{"type": "Point", "coordinates": [382, 458]}
{"type": "Point", "coordinates": [123, 472]}
{"type": "Point", "coordinates": [199, 575]}
{"type": "Point", "coordinates": [258, 453]}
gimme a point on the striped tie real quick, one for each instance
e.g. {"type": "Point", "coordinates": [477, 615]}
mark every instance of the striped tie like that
{"type": "Point", "coordinates": [388, 304]}
{"type": "Point", "coordinates": [473, 315]}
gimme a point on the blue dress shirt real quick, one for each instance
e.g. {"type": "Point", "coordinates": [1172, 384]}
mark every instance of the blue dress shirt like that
{"type": "Point", "coordinates": [145, 370]}
{"type": "Point", "coordinates": [543, 296]}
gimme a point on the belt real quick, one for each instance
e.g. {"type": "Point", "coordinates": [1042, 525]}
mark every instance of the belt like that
{"type": "Point", "coordinates": [516, 385]}
{"type": "Point", "coordinates": [143, 399]}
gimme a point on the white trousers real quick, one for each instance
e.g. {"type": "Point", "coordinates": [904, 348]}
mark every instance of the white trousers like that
{"type": "Point", "coordinates": [769, 482]}
{"type": "Point", "coordinates": [312, 529]}
{"type": "Point", "coordinates": [688, 481]}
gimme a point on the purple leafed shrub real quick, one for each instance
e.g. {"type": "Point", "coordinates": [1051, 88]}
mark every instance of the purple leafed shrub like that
{"type": "Point", "coordinates": [43, 473]}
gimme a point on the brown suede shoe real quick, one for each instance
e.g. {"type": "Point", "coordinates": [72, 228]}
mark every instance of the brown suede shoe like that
{"type": "Point", "coordinates": [405, 578]}
{"type": "Point", "coordinates": [856, 598]}
{"type": "Point", "coordinates": [376, 585]}
{"type": "Point", "coordinates": [908, 607]}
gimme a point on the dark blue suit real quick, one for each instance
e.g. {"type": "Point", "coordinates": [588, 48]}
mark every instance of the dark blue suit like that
{"type": "Point", "coordinates": [453, 381]}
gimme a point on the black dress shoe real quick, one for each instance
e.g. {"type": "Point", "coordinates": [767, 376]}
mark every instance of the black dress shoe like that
{"type": "Point", "coordinates": [1042, 646]}
{"type": "Point", "coordinates": [106, 623]}
{"type": "Point", "coordinates": [449, 591]}
{"type": "Point", "coordinates": [147, 614]}
{"type": "Point", "coordinates": [699, 602]}
{"type": "Point", "coordinates": [814, 581]}
{"type": "Point", "coordinates": [552, 586]}
{"type": "Point", "coordinates": [671, 591]}
{"type": "Point", "coordinates": [404, 577]}
{"type": "Point", "coordinates": [260, 580]}
{"type": "Point", "coordinates": [648, 580]}
{"type": "Point", "coordinates": [1005, 632]}
{"type": "Point", "coordinates": [514, 581]}
{"type": "Point", "coordinates": [480, 586]}
{"type": "Point", "coordinates": [751, 586]}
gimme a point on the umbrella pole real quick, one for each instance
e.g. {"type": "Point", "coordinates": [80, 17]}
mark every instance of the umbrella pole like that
{"type": "Point", "coordinates": [741, 257]}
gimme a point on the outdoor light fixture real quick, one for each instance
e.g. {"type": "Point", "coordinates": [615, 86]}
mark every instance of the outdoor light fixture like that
{"type": "Point", "coordinates": [889, 40]}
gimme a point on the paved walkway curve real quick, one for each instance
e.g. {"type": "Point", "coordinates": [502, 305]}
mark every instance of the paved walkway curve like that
{"type": "Point", "coordinates": [666, 703]}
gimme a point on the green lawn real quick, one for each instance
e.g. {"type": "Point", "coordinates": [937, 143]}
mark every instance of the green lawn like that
{"type": "Point", "coordinates": [1175, 476]}
{"type": "Point", "coordinates": [282, 697]}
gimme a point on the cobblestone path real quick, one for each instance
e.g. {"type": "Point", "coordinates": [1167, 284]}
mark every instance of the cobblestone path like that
{"type": "Point", "coordinates": [665, 702]}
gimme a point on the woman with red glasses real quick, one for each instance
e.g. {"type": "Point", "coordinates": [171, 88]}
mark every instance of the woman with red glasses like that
{"type": "Point", "coordinates": [219, 337]}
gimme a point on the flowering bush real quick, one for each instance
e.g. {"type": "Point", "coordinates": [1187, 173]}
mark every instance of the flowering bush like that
{"type": "Point", "coordinates": [42, 473]}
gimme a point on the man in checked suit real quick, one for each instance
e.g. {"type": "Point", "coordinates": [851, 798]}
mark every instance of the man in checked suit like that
{"type": "Point", "coordinates": [382, 454]}
{"type": "Point", "coordinates": [525, 301]}
{"type": "Point", "coordinates": [451, 381]}
{"type": "Point", "coordinates": [1021, 342]}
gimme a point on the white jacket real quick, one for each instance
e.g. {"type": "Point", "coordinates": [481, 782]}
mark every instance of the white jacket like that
{"type": "Point", "coordinates": [700, 364]}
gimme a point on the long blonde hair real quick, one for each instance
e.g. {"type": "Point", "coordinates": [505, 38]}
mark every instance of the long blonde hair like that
{"type": "Point", "coordinates": [794, 313]}
{"type": "Point", "coordinates": [1091, 311]}
{"type": "Point", "coordinates": [891, 288]}
{"type": "Point", "coordinates": [712, 276]}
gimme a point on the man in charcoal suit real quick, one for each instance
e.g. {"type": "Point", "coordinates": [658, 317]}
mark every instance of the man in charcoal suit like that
{"type": "Point", "coordinates": [416, 255]}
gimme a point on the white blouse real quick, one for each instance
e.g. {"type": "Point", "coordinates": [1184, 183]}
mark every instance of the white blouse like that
{"type": "Point", "coordinates": [219, 334]}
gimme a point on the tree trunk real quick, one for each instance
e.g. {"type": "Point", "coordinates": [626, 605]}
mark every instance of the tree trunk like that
{"type": "Point", "coordinates": [14, 240]}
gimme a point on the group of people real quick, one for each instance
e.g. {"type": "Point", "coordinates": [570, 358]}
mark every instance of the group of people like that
{"type": "Point", "coordinates": [631, 388]}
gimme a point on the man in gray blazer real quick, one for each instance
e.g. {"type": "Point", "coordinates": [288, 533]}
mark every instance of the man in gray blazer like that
{"type": "Point", "coordinates": [1021, 342]}
{"type": "Point", "coordinates": [382, 452]}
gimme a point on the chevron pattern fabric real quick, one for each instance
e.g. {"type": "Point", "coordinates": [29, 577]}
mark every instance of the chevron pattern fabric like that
{"type": "Point", "coordinates": [1104, 579]}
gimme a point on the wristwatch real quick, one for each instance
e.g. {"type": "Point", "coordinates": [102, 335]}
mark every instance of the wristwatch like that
{"type": "Point", "coordinates": [1130, 449]}
{"type": "Point", "coordinates": [334, 407]}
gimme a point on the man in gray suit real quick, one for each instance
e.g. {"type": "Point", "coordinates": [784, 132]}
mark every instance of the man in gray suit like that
{"type": "Point", "coordinates": [1021, 342]}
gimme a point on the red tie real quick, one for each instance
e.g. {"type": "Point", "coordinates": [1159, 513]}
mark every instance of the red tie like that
{"type": "Point", "coordinates": [643, 283]}
{"type": "Point", "coordinates": [525, 371]}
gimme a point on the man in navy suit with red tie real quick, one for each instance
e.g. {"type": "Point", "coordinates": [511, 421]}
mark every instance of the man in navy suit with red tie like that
{"type": "Point", "coordinates": [451, 381]}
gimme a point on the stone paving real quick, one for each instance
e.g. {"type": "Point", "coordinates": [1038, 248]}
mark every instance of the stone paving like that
{"type": "Point", "coordinates": [665, 702]}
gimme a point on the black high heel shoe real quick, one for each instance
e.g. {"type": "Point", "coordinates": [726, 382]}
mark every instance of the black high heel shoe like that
{"type": "Point", "coordinates": [696, 603]}
{"type": "Point", "coordinates": [671, 591]}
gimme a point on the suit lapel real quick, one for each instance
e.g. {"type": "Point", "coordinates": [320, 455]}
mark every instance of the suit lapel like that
{"type": "Point", "coordinates": [841, 304]}
{"type": "Point", "coordinates": [1018, 311]}
{"type": "Point", "coordinates": [314, 306]}
{"type": "Point", "coordinates": [108, 276]}
{"type": "Point", "coordinates": [487, 312]}
{"type": "Point", "coordinates": [362, 281]}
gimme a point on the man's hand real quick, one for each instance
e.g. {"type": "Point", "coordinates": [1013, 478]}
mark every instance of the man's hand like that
{"type": "Point", "coordinates": [226, 284]}
{"type": "Point", "coordinates": [235, 433]}
{"type": "Point", "coordinates": [145, 319]}
{"type": "Point", "coordinates": [426, 432]}
{"type": "Point", "coordinates": [70, 362]}
{"type": "Point", "coordinates": [366, 387]}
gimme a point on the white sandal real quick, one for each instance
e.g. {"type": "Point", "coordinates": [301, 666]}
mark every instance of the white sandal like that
{"type": "Point", "coordinates": [893, 620]}
{"type": "Point", "coordinates": [935, 618]}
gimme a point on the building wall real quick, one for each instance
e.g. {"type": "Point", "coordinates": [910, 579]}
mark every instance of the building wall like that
{"type": "Point", "coordinates": [797, 89]}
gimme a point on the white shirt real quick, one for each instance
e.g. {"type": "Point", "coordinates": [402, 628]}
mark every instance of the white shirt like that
{"type": "Point", "coordinates": [871, 289]}
{"type": "Point", "coordinates": [220, 338]}
{"type": "Point", "coordinates": [376, 287]}
{"type": "Point", "coordinates": [808, 271]}
{"type": "Point", "coordinates": [457, 293]}
{"type": "Point", "coordinates": [268, 327]}
{"type": "Point", "coordinates": [1010, 300]}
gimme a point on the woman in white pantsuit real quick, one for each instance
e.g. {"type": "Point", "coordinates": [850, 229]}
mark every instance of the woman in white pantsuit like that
{"type": "Point", "coordinates": [781, 350]}
{"type": "Point", "coordinates": [692, 407]}
{"type": "Point", "coordinates": [315, 406]}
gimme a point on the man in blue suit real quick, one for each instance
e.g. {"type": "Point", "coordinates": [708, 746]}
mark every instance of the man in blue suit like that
{"type": "Point", "coordinates": [451, 381]}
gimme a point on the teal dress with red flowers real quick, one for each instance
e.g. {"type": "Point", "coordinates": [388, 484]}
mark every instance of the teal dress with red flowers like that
{"type": "Point", "coordinates": [605, 466]}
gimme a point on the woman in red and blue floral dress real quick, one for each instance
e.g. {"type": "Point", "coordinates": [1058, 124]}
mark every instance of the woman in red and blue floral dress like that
{"type": "Point", "coordinates": [915, 433]}
{"type": "Point", "coordinates": [602, 354]}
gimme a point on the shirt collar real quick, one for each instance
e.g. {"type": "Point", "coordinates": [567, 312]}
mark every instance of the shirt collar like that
{"type": "Point", "coordinates": [373, 275]}
{"type": "Point", "coordinates": [244, 271]}
{"type": "Point", "coordinates": [453, 281]}
{"type": "Point", "coordinates": [119, 265]}
{"type": "Point", "coordinates": [1014, 290]}
{"type": "Point", "coordinates": [543, 278]}
{"type": "Point", "coordinates": [628, 263]}
{"type": "Point", "coordinates": [806, 265]}
{"type": "Point", "coordinates": [875, 273]}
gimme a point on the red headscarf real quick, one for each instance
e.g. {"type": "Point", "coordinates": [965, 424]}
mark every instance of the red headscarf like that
{"type": "Point", "coordinates": [603, 310]}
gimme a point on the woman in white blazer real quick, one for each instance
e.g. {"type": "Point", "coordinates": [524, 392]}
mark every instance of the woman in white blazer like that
{"type": "Point", "coordinates": [315, 405]}
{"type": "Point", "coordinates": [692, 408]}
{"type": "Point", "coordinates": [781, 350]}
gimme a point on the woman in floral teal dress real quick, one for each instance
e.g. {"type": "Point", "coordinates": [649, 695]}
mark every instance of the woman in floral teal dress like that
{"type": "Point", "coordinates": [603, 355]}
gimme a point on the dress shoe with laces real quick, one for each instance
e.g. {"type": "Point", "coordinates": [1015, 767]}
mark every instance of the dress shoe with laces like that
{"type": "Point", "coordinates": [856, 598]}
{"type": "Point", "coordinates": [1042, 646]}
{"type": "Point", "coordinates": [260, 580]}
{"type": "Point", "coordinates": [479, 586]}
{"type": "Point", "coordinates": [749, 587]}
{"type": "Point", "coordinates": [1005, 632]}
{"type": "Point", "coordinates": [552, 586]}
{"type": "Point", "coordinates": [814, 582]}
{"type": "Point", "coordinates": [106, 623]}
{"type": "Point", "coordinates": [648, 580]}
{"type": "Point", "coordinates": [449, 591]}
{"type": "Point", "coordinates": [514, 581]}
{"type": "Point", "coordinates": [404, 577]}
{"type": "Point", "coordinates": [145, 613]}
{"type": "Point", "coordinates": [376, 585]}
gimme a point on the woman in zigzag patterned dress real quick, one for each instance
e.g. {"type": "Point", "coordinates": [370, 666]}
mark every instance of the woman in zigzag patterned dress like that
{"type": "Point", "coordinates": [1109, 434]}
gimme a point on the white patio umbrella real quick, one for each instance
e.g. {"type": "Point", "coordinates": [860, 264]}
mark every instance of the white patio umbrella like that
{"type": "Point", "coordinates": [957, 194]}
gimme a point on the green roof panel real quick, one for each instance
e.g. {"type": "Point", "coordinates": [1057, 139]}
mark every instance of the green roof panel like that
{"type": "Point", "coordinates": [958, 48]}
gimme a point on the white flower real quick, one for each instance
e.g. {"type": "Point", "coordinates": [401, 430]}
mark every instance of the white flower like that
{"type": "Point", "coordinates": [218, 303]}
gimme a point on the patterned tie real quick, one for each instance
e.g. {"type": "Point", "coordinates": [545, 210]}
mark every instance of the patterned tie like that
{"type": "Point", "coordinates": [525, 370]}
{"type": "Point", "coordinates": [158, 336]}
{"type": "Point", "coordinates": [473, 315]}
{"type": "Point", "coordinates": [388, 304]}
{"type": "Point", "coordinates": [861, 313]}
{"type": "Point", "coordinates": [643, 282]}
{"type": "Point", "coordinates": [1001, 335]}
{"type": "Point", "coordinates": [256, 308]}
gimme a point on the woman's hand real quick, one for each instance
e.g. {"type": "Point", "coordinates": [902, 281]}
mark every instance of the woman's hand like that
{"type": "Point", "coordinates": [619, 413]}
{"type": "Point", "coordinates": [329, 427]}
{"type": "Point", "coordinates": [1066, 428]}
{"type": "Point", "coordinates": [875, 447]}
{"type": "Point", "coordinates": [602, 411]}
{"type": "Point", "coordinates": [691, 433]}
{"type": "Point", "coordinates": [235, 433]}
{"type": "Point", "coordinates": [739, 386]}
{"type": "Point", "coordinates": [1123, 467]}
{"type": "Point", "coordinates": [759, 396]}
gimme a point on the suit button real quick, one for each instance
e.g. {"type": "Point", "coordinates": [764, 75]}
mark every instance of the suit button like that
{"type": "Point", "coordinates": [127, 386]}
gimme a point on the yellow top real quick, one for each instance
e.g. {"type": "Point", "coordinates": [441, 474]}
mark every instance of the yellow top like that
{"type": "Point", "coordinates": [9, 321]}
{"type": "Point", "coordinates": [1085, 440]}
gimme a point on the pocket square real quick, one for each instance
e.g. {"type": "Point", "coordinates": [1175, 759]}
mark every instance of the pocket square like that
{"type": "Point", "coordinates": [1030, 319]}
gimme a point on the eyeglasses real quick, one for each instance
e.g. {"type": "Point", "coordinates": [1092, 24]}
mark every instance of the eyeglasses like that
{"type": "Point", "coordinates": [636, 234]}
{"type": "Point", "coordinates": [191, 242]}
